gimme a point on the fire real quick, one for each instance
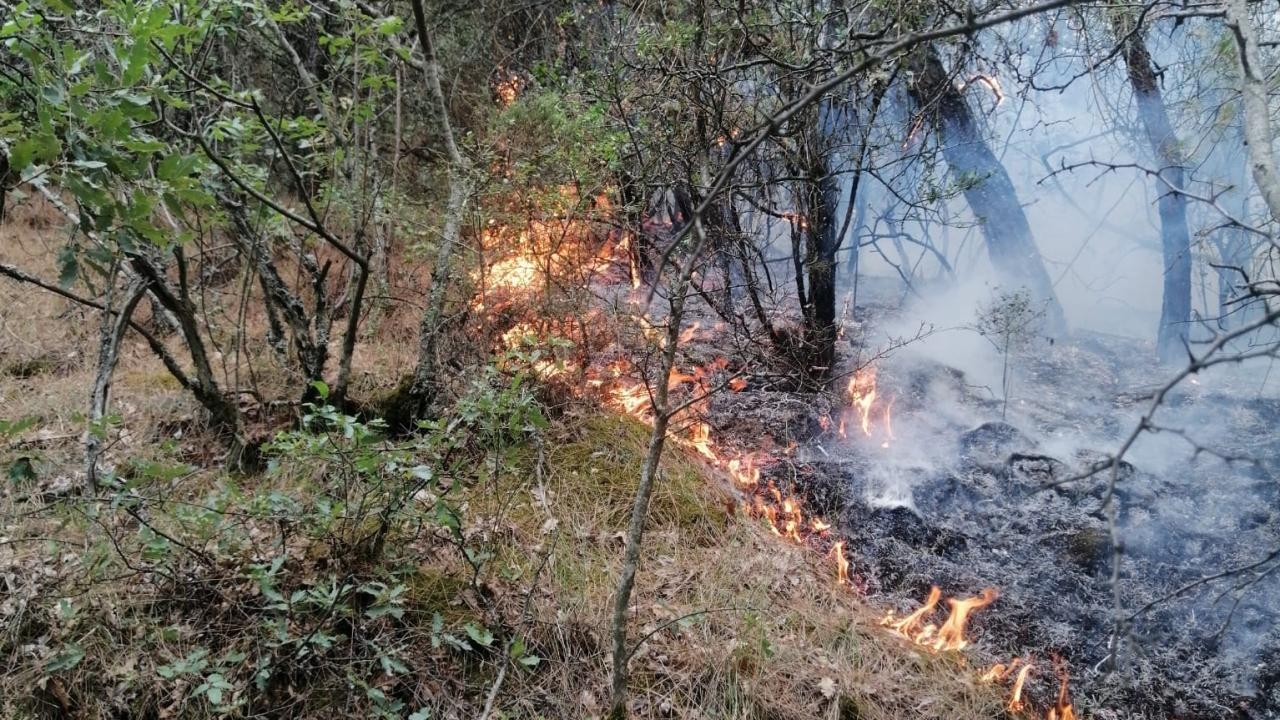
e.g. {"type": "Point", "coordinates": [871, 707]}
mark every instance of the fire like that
{"type": "Point", "coordinates": [865, 405]}
{"type": "Point", "coordinates": [991, 82]}
{"type": "Point", "coordinates": [1062, 709]}
{"type": "Point", "coordinates": [914, 132]}
{"type": "Point", "coordinates": [522, 262]}
{"type": "Point", "coordinates": [842, 563]}
{"type": "Point", "coordinates": [862, 394]}
{"type": "Point", "coordinates": [744, 472]}
{"type": "Point", "coordinates": [519, 272]}
{"type": "Point", "coordinates": [508, 89]}
{"type": "Point", "coordinates": [1000, 671]}
{"type": "Point", "coordinates": [700, 440]}
{"type": "Point", "coordinates": [1016, 703]}
{"type": "Point", "coordinates": [689, 333]}
{"type": "Point", "coordinates": [633, 399]}
{"type": "Point", "coordinates": [951, 635]}
{"type": "Point", "coordinates": [911, 626]}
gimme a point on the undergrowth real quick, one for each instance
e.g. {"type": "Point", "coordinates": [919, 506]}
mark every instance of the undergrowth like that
{"type": "Point", "coordinates": [468, 565]}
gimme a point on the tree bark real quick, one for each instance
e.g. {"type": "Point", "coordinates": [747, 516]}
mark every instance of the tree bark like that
{"type": "Point", "coordinates": [114, 325]}
{"type": "Point", "coordinates": [1175, 237]}
{"type": "Point", "coordinates": [426, 383]}
{"type": "Point", "coordinates": [1257, 115]}
{"type": "Point", "coordinates": [985, 183]}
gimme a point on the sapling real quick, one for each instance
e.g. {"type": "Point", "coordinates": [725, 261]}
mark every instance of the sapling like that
{"type": "Point", "coordinates": [1009, 322]}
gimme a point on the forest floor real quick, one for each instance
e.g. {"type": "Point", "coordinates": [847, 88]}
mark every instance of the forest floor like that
{"type": "Point", "coordinates": [736, 623]}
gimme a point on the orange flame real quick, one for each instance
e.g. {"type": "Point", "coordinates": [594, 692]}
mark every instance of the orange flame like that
{"type": "Point", "coordinates": [862, 394]}
{"type": "Point", "coordinates": [1016, 703]}
{"type": "Point", "coordinates": [910, 627]}
{"type": "Point", "coordinates": [951, 635]}
{"type": "Point", "coordinates": [842, 563]}
{"type": "Point", "coordinates": [1062, 709]}
{"type": "Point", "coordinates": [1000, 671]}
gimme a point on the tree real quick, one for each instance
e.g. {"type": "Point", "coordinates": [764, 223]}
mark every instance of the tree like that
{"type": "Point", "coordinates": [984, 182]}
{"type": "Point", "coordinates": [1175, 308]}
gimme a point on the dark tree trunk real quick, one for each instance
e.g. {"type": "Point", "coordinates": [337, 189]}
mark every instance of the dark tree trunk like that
{"type": "Point", "coordinates": [1175, 238]}
{"type": "Point", "coordinates": [822, 236]}
{"type": "Point", "coordinates": [985, 183]}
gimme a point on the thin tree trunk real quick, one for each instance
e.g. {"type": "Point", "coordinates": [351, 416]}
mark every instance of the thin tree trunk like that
{"type": "Point", "coordinates": [986, 184]}
{"type": "Point", "coordinates": [1175, 237]}
{"type": "Point", "coordinates": [648, 476]}
{"type": "Point", "coordinates": [1257, 115]}
{"type": "Point", "coordinates": [113, 329]}
{"type": "Point", "coordinates": [426, 382]}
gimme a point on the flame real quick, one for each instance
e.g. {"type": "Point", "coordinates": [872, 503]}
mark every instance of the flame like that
{"type": "Point", "coordinates": [744, 472]}
{"type": "Point", "coordinates": [940, 639]}
{"type": "Point", "coordinates": [700, 440]}
{"type": "Point", "coordinates": [519, 272]}
{"type": "Point", "coordinates": [862, 395]}
{"type": "Point", "coordinates": [689, 333]}
{"type": "Point", "coordinates": [951, 636]}
{"type": "Point", "coordinates": [633, 399]}
{"type": "Point", "coordinates": [991, 82]}
{"type": "Point", "coordinates": [508, 89]}
{"type": "Point", "coordinates": [1062, 709]}
{"type": "Point", "coordinates": [914, 132]}
{"type": "Point", "coordinates": [1000, 671]}
{"type": "Point", "coordinates": [1016, 703]}
{"type": "Point", "coordinates": [910, 627]}
{"type": "Point", "coordinates": [842, 563]}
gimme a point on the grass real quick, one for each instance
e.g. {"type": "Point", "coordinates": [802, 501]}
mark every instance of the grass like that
{"type": "Point", "coordinates": [736, 624]}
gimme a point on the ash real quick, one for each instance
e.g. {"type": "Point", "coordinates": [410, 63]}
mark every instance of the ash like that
{"type": "Point", "coordinates": [964, 500]}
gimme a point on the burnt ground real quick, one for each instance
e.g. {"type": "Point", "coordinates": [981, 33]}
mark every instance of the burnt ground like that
{"type": "Point", "coordinates": [964, 500]}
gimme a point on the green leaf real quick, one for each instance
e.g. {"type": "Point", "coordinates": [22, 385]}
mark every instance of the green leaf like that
{"type": "Point", "coordinates": [437, 627]}
{"type": "Point", "coordinates": [68, 266]}
{"type": "Point", "coordinates": [448, 518]}
{"type": "Point", "coordinates": [479, 634]}
{"type": "Point", "coordinates": [70, 657]}
{"type": "Point", "coordinates": [21, 471]}
{"type": "Point", "coordinates": [21, 153]}
{"type": "Point", "coordinates": [322, 388]}
{"type": "Point", "coordinates": [13, 428]}
{"type": "Point", "coordinates": [390, 25]}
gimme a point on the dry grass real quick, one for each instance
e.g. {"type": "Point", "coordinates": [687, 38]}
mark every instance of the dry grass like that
{"type": "Point", "coordinates": [742, 625]}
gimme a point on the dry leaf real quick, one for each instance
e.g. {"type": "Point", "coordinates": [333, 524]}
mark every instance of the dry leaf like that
{"type": "Point", "coordinates": [827, 687]}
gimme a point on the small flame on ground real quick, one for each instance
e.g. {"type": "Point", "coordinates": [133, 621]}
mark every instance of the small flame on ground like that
{"type": "Point", "coordinates": [1016, 703]}
{"type": "Point", "coordinates": [842, 563]}
{"type": "Point", "coordinates": [951, 635]}
{"type": "Point", "coordinates": [1000, 671]}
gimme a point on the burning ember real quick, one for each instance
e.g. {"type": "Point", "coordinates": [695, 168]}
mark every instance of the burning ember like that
{"type": "Point", "coordinates": [990, 82]}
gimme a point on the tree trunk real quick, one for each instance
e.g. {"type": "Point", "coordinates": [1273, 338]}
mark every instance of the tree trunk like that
{"type": "Point", "coordinates": [1175, 237]}
{"type": "Point", "coordinates": [114, 326]}
{"type": "Point", "coordinates": [822, 200]}
{"type": "Point", "coordinates": [986, 184]}
{"type": "Point", "coordinates": [1257, 116]}
{"type": "Point", "coordinates": [426, 384]}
